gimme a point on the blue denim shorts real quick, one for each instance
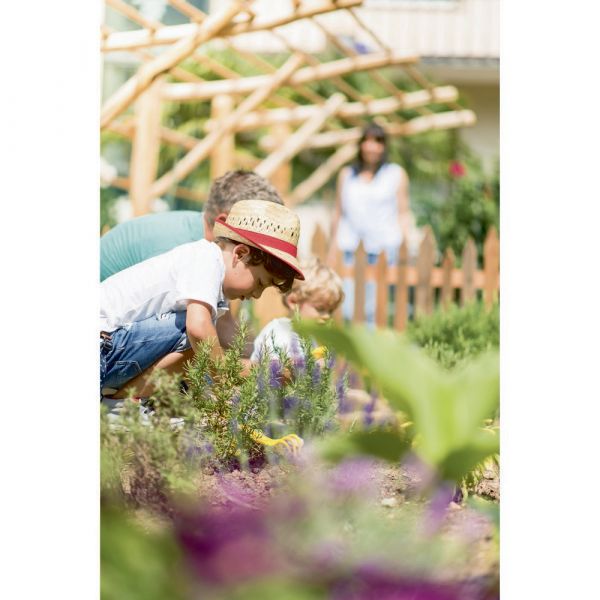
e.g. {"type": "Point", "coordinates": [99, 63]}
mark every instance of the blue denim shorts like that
{"type": "Point", "coordinates": [131, 349]}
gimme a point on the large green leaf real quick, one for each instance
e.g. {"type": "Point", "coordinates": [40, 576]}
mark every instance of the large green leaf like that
{"type": "Point", "coordinates": [387, 445]}
{"type": "Point", "coordinates": [447, 408]}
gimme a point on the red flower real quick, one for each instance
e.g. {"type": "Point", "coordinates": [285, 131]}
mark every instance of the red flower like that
{"type": "Point", "coordinates": [457, 169]}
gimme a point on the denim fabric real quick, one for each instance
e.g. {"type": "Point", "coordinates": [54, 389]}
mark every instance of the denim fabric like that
{"type": "Point", "coordinates": [137, 346]}
{"type": "Point", "coordinates": [370, 287]}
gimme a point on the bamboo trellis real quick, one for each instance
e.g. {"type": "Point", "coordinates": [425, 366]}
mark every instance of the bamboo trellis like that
{"type": "Point", "coordinates": [257, 103]}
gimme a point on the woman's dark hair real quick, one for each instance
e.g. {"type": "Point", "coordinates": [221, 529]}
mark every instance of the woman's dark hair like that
{"type": "Point", "coordinates": [372, 130]}
{"type": "Point", "coordinates": [273, 265]}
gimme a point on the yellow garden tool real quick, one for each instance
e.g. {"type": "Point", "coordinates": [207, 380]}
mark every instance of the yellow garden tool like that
{"type": "Point", "coordinates": [290, 442]}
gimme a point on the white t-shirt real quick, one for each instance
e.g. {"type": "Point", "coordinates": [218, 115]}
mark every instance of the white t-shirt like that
{"type": "Point", "coordinates": [278, 333]}
{"type": "Point", "coordinates": [370, 211]}
{"type": "Point", "coordinates": [164, 283]}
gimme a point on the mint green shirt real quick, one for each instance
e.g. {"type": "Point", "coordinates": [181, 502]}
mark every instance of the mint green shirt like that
{"type": "Point", "coordinates": [141, 238]}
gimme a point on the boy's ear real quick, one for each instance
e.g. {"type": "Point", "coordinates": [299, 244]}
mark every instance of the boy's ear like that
{"type": "Point", "coordinates": [240, 252]}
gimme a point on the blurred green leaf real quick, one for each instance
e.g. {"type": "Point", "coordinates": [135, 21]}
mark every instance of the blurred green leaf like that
{"type": "Point", "coordinates": [447, 408]}
{"type": "Point", "coordinates": [136, 565]}
{"type": "Point", "coordinates": [387, 445]}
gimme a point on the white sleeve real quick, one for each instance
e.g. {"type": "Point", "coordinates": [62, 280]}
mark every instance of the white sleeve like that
{"type": "Point", "coordinates": [198, 274]}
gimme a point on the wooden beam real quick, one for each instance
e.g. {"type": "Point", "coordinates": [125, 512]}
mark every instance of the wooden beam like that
{"type": "Point", "coordinates": [222, 154]}
{"type": "Point", "coordinates": [323, 174]}
{"type": "Point", "coordinates": [297, 141]}
{"type": "Point", "coordinates": [129, 40]}
{"type": "Point", "coordinates": [437, 121]}
{"type": "Point", "coordinates": [124, 183]}
{"type": "Point", "coordinates": [203, 148]}
{"type": "Point", "coordinates": [187, 92]}
{"type": "Point", "coordinates": [145, 149]}
{"type": "Point", "coordinates": [382, 106]}
{"type": "Point", "coordinates": [148, 72]}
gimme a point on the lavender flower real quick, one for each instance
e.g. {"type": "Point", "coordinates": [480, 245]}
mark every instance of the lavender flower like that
{"type": "Point", "coordinates": [299, 364]}
{"type": "Point", "coordinates": [331, 361]}
{"type": "Point", "coordinates": [260, 383]}
{"type": "Point", "coordinates": [275, 374]}
{"type": "Point", "coordinates": [353, 476]}
{"type": "Point", "coordinates": [436, 510]}
{"type": "Point", "coordinates": [368, 410]}
{"type": "Point", "coordinates": [316, 375]}
{"type": "Point", "coordinates": [290, 403]}
{"type": "Point", "coordinates": [340, 394]}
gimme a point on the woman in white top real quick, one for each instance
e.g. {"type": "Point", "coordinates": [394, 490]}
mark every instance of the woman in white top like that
{"type": "Point", "coordinates": [372, 206]}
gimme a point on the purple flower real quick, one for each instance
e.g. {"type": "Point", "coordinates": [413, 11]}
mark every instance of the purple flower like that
{"type": "Point", "coordinates": [371, 582]}
{"type": "Point", "coordinates": [275, 374]}
{"type": "Point", "coordinates": [437, 508]}
{"type": "Point", "coordinates": [228, 546]}
{"type": "Point", "coordinates": [340, 393]}
{"type": "Point", "coordinates": [299, 364]}
{"type": "Point", "coordinates": [316, 375]}
{"type": "Point", "coordinates": [353, 476]}
{"type": "Point", "coordinates": [331, 361]}
{"type": "Point", "coordinates": [260, 383]}
{"type": "Point", "coordinates": [290, 403]}
{"type": "Point", "coordinates": [368, 410]}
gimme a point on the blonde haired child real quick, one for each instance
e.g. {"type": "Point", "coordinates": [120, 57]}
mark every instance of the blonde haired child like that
{"type": "Point", "coordinates": [315, 297]}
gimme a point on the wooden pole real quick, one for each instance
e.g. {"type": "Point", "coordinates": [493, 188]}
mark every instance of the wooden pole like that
{"type": "Point", "coordinates": [202, 149]}
{"type": "Point", "coordinates": [447, 291]}
{"type": "Point", "coordinates": [381, 307]}
{"type": "Point", "coordinates": [381, 106]}
{"type": "Point", "coordinates": [360, 267]}
{"type": "Point", "coordinates": [425, 263]}
{"type": "Point", "coordinates": [222, 154]}
{"type": "Point", "coordinates": [296, 142]}
{"type": "Point", "coordinates": [401, 310]}
{"type": "Point", "coordinates": [323, 174]}
{"type": "Point", "coordinates": [281, 178]}
{"type": "Point", "coordinates": [148, 72]}
{"type": "Point", "coordinates": [469, 268]}
{"type": "Point", "coordinates": [187, 92]}
{"type": "Point", "coordinates": [128, 40]}
{"type": "Point", "coordinates": [145, 149]}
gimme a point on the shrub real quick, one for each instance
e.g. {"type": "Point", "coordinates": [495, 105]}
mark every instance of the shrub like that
{"type": "Point", "coordinates": [453, 335]}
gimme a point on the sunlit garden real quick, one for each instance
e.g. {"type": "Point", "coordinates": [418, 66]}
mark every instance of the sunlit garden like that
{"type": "Point", "coordinates": [363, 461]}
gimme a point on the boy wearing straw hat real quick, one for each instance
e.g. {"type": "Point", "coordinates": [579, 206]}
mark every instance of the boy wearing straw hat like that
{"type": "Point", "coordinates": [138, 239]}
{"type": "Point", "coordinates": [155, 310]}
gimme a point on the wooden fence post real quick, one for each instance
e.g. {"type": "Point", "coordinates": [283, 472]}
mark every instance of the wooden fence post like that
{"type": "Point", "coordinates": [381, 306]}
{"type": "Point", "coordinates": [360, 267]}
{"type": "Point", "coordinates": [447, 293]}
{"type": "Point", "coordinates": [491, 267]}
{"type": "Point", "coordinates": [425, 263]}
{"type": "Point", "coordinates": [469, 266]}
{"type": "Point", "coordinates": [401, 311]}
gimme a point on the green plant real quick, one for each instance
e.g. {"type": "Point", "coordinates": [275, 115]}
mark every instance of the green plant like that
{"type": "Point", "coordinates": [453, 335]}
{"type": "Point", "coordinates": [228, 406]}
{"type": "Point", "coordinates": [300, 391]}
{"type": "Point", "coordinates": [448, 408]}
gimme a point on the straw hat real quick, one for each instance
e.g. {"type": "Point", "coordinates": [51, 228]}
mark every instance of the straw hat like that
{"type": "Point", "coordinates": [265, 225]}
